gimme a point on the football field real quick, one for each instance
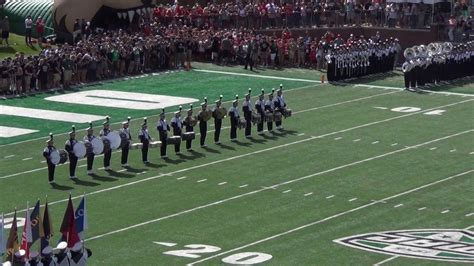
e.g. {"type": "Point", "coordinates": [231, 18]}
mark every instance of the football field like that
{"type": "Point", "coordinates": [363, 172]}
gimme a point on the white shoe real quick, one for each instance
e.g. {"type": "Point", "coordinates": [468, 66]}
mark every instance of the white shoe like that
{"type": "Point", "coordinates": [52, 182]}
{"type": "Point", "coordinates": [90, 172]}
{"type": "Point", "coordinates": [107, 168]}
{"type": "Point", "coordinates": [125, 165]}
{"type": "Point", "coordinates": [73, 177]}
{"type": "Point", "coordinates": [249, 137]}
{"type": "Point", "coordinates": [189, 149]}
{"type": "Point", "coordinates": [233, 140]}
{"type": "Point", "coordinates": [203, 146]}
{"type": "Point", "coordinates": [218, 143]}
{"type": "Point", "coordinates": [164, 157]}
{"type": "Point", "coordinates": [178, 153]}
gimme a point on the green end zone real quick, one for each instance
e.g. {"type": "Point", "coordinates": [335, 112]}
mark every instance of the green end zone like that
{"type": "Point", "coordinates": [352, 161]}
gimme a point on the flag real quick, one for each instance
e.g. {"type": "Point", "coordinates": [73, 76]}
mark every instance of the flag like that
{"type": "Point", "coordinates": [12, 242]}
{"type": "Point", "coordinates": [2, 243]}
{"type": "Point", "coordinates": [35, 220]}
{"type": "Point", "coordinates": [26, 237]}
{"type": "Point", "coordinates": [68, 226]}
{"type": "Point", "coordinates": [81, 218]}
{"type": "Point", "coordinates": [46, 230]}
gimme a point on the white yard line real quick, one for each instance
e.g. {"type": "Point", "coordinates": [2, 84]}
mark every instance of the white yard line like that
{"type": "Point", "coordinates": [273, 186]}
{"type": "Point", "coordinates": [329, 218]}
{"type": "Point", "coordinates": [432, 149]}
{"type": "Point", "coordinates": [447, 93]}
{"type": "Point", "coordinates": [301, 134]}
{"type": "Point", "coordinates": [9, 156]}
{"type": "Point", "coordinates": [384, 261]}
{"type": "Point", "coordinates": [356, 140]}
{"type": "Point", "coordinates": [338, 138]}
{"type": "Point", "coordinates": [26, 159]}
{"type": "Point", "coordinates": [255, 75]}
{"type": "Point", "coordinates": [469, 214]}
{"type": "Point", "coordinates": [375, 142]}
{"type": "Point", "coordinates": [394, 144]}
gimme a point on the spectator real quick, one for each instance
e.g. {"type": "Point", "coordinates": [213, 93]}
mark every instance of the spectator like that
{"type": "Point", "coordinates": [452, 24]}
{"type": "Point", "coordinates": [28, 29]}
{"type": "Point", "coordinates": [40, 30]}
{"type": "Point", "coordinates": [5, 31]}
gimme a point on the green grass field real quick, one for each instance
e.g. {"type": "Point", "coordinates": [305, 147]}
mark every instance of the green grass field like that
{"type": "Point", "coordinates": [350, 161]}
{"type": "Point", "coordinates": [17, 44]}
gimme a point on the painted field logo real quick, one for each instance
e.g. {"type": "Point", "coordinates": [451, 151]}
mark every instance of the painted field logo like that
{"type": "Point", "coordinates": [434, 244]}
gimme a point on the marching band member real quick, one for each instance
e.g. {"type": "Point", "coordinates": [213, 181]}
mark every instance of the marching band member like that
{"type": "Point", "coordinates": [177, 126]}
{"type": "Point", "coordinates": [217, 120]}
{"type": "Point", "coordinates": [280, 104]}
{"type": "Point", "coordinates": [47, 256]}
{"type": "Point", "coordinates": [61, 258]}
{"type": "Point", "coordinates": [90, 156]}
{"type": "Point", "coordinates": [69, 147]}
{"type": "Point", "coordinates": [260, 107]}
{"type": "Point", "coordinates": [234, 119]}
{"type": "Point", "coordinates": [270, 107]}
{"type": "Point", "coordinates": [202, 123]}
{"type": "Point", "coordinates": [47, 155]}
{"type": "Point", "coordinates": [189, 127]}
{"type": "Point", "coordinates": [145, 139]}
{"type": "Point", "coordinates": [103, 133]}
{"type": "Point", "coordinates": [78, 255]}
{"type": "Point", "coordinates": [163, 129]}
{"type": "Point", "coordinates": [247, 110]}
{"type": "Point", "coordinates": [126, 148]}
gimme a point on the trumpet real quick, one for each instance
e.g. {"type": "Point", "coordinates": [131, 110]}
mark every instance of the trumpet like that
{"type": "Point", "coordinates": [409, 53]}
{"type": "Point", "coordinates": [447, 47]}
{"type": "Point", "coordinates": [406, 67]}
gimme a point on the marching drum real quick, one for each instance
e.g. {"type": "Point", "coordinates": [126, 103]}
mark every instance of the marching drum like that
{"type": "Point", "coordinates": [136, 146]}
{"type": "Point", "coordinates": [79, 149]}
{"type": "Point", "coordinates": [123, 140]}
{"type": "Point", "coordinates": [241, 123]}
{"type": "Point", "coordinates": [155, 144]}
{"type": "Point", "coordinates": [114, 139]}
{"type": "Point", "coordinates": [256, 118]}
{"type": "Point", "coordinates": [269, 116]}
{"type": "Point", "coordinates": [58, 157]}
{"type": "Point", "coordinates": [174, 140]}
{"type": "Point", "coordinates": [189, 136]}
{"type": "Point", "coordinates": [287, 112]}
{"type": "Point", "coordinates": [97, 146]}
{"type": "Point", "coordinates": [277, 116]}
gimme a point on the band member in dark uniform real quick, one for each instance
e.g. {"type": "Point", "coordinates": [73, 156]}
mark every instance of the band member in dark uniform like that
{"type": "Point", "coordinates": [47, 155]}
{"type": "Point", "coordinates": [247, 110]}
{"type": "Point", "coordinates": [280, 104]}
{"type": "Point", "coordinates": [189, 127]}
{"type": "Point", "coordinates": [126, 147]}
{"type": "Point", "coordinates": [270, 107]}
{"type": "Point", "coordinates": [234, 119]}
{"type": "Point", "coordinates": [202, 123]}
{"type": "Point", "coordinates": [69, 147]}
{"type": "Point", "coordinates": [163, 129]}
{"type": "Point", "coordinates": [90, 155]}
{"type": "Point", "coordinates": [145, 140]}
{"type": "Point", "coordinates": [260, 107]}
{"type": "Point", "coordinates": [107, 154]}
{"type": "Point", "coordinates": [217, 120]}
{"type": "Point", "coordinates": [177, 126]}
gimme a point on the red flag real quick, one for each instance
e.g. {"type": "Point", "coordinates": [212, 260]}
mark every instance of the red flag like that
{"type": "Point", "coordinates": [68, 227]}
{"type": "Point", "coordinates": [26, 237]}
{"type": "Point", "coordinates": [12, 243]}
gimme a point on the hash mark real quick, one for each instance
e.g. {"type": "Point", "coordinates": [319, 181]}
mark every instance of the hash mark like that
{"type": "Point", "coordinates": [202, 180]}
{"type": "Point", "coordinates": [328, 197]}
{"type": "Point", "coordinates": [353, 199]}
{"type": "Point", "coordinates": [394, 144]}
{"type": "Point", "coordinates": [375, 142]}
{"type": "Point", "coordinates": [183, 177]}
{"type": "Point", "coordinates": [308, 194]}
{"type": "Point", "coordinates": [9, 156]}
{"type": "Point", "coordinates": [453, 150]}
{"type": "Point", "coordinates": [301, 134]}
{"type": "Point", "coordinates": [286, 191]}
{"type": "Point", "coordinates": [243, 186]}
{"type": "Point", "coordinates": [43, 161]}
{"type": "Point", "coordinates": [222, 183]}
{"type": "Point", "coordinates": [84, 165]}
{"type": "Point", "coordinates": [338, 138]}
{"type": "Point", "coordinates": [398, 205]}
{"type": "Point", "coordinates": [422, 208]}
{"type": "Point", "coordinates": [469, 214]}
{"type": "Point", "coordinates": [123, 170]}
{"type": "Point", "coordinates": [471, 153]}
{"type": "Point", "coordinates": [356, 140]}
{"type": "Point", "coordinates": [434, 148]}
{"type": "Point", "coordinates": [26, 159]}
{"type": "Point", "coordinates": [445, 211]}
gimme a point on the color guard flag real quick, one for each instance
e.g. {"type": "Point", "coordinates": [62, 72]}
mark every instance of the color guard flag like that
{"type": "Point", "coordinates": [26, 237]}
{"type": "Point", "coordinates": [46, 230]}
{"type": "Point", "coordinates": [2, 242]}
{"type": "Point", "coordinates": [68, 227]}
{"type": "Point", "coordinates": [81, 218]}
{"type": "Point", "coordinates": [35, 220]}
{"type": "Point", "coordinates": [12, 242]}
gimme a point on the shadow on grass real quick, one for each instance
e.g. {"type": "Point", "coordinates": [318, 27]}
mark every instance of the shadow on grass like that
{"type": "Point", "coordinates": [85, 183]}
{"type": "Point", "coordinates": [211, 150]}
{"type": "Point", "coordinates": [61, 187]}
{"type": "Point", "coordinates": [103, 178]}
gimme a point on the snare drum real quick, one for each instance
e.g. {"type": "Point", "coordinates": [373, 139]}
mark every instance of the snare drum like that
{"type": "Point", "coordinates": [136, 146]}
{"type": "Point", "coordinates": [174, 140]}
{"type": "Point", "coordinates": [189, 136]}
{"type": "Point", "coordinates": [155, 144]}
{"type": "Point", "coordinates": [242, 123]}
{"type": "Point", "coordinates": [269, 116]}
{"type": "Point", "coordinates": [287, 113]}
{"type": "Point", "coordinates": [256, 118]}
{"type": "Point", "coordinates": [79, 149]}
{"type": "Point", "coordinates": [277, 116]}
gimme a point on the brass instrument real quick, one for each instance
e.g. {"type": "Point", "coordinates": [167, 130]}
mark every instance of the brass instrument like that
{"type": "Point", "coordinates": [409, 54]}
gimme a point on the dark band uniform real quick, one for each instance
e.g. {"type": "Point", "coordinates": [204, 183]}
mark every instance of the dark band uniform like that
{"type": "Point", "coordinates": [202, 124]}
{"type": "Point", "coordinates": [217, 121]}
{"type": "Point", "coordinates": [126, 147]}
{"type": "Point", "coordinates": [46, 154]}
{"type": "Point", "coordinates": [270, 107]}
{"type": "Point", "coordinates": [260, 107]}
{"type": "Point", "coordinates": [69, 147]}
{"type": "Point", "coordinates": [234, 120]}
{"type": "Point", "coordinates": [163, 129]}
{"type": "Point", "coordinates": [279, 104]}
{"type": "Point", "coordinates": [247, 110]}
{"type": "Point", "coordinates": [188, 127]}
{"type": "Point", "coordinates": [90, 155]}
{"type": "Point", "coordinates": [107, 154]}
{"type": "Point", "coordinates": [177, 126]}
{"type": "Point", "coordinates": [145, 139]}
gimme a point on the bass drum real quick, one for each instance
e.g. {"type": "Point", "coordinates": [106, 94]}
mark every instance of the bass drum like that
{"type": "Point", "coordinates": [114, 140]}
{"type": "Point", "coordinates": [58, 157]}
{"type": "Point", "coordinates": [97, 146]}
{"type": "Point", "coordinates": [79, 149]}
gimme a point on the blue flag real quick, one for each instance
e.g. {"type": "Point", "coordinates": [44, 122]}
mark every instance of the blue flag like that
{"type": "Point", "coordinates": [81, 218]}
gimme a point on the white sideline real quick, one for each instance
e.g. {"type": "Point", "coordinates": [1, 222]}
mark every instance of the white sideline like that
{"type": "Point", "coordinates": [331, 217]}
{"type": "Point", "coordinates": [447, 93]}
{"type": "Point", "coordinates": [277, 185]}
{"type": "Point", "coordinates": [251, 153]}
{"type": "Point", "coordinates": [149, 117]}
{"type": "Point", "coordinates": [254, 75]}
{"type": "Point", "coordinates": [210, 131]}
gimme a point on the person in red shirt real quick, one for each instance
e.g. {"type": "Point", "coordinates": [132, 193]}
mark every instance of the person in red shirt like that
{"type": "Point", "coordinates": [40, 30]}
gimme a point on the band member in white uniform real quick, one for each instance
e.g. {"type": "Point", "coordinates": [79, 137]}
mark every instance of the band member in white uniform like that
{"type": "Point", "coordinates": [270, 107]}
{"type": "Point", "coordinates": [280, 105]}
{"type": "Point", "coordinates": [126, 147]}
{"type": "Point", "coordinates": [217, 121]}
{"type": "Point", "coordinates": [47, 155]}
{"type": "Point", "coordinates": [177, 125]}
{"type": "Point", "coordinates": [107, 154]}
{"type": "Point", "coordinates": [247, 110]}
{"type": "Point", "coordinates": [90, 156]}
{"type": "Point", "coordinates": [188, 127]}
{"type": "Point", "coordinates": [145, 139]}
{"type": "Point", "coordinates": [202, 123]}
{"type": "Point", "coordinates": [163, 129]}
{"type": "Point", "coordinates": [234, 119]}
{"type": "Point", "coordinates": [69, 147]}
{"type": "Point", "coordinates": [260, 107]}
